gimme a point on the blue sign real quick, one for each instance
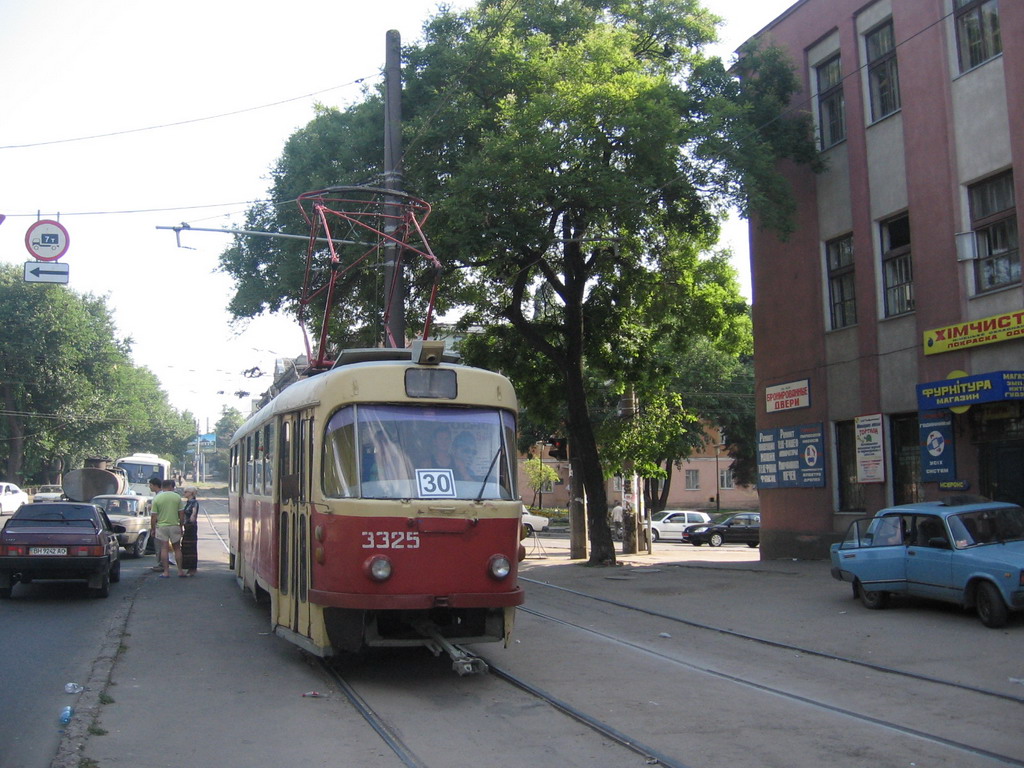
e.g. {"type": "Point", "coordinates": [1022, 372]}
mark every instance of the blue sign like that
{"type": "Point", "coordinates": [791, 457]}
{"type": "Point", "coordinates": [971, 390]}
{"type": "Point", "coordinates": [938, 454]}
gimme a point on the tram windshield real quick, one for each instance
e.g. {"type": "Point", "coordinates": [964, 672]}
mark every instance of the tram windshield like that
{"type": "Point", "coordinates": [413, 452]}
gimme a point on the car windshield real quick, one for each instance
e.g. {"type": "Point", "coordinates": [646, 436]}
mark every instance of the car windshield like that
{"type": "Point", "coordinates": [66, 515]}
{"type": "Point", "coordinates": [50, 489]}
{"type": "Point", "coordinates": [987, 526]}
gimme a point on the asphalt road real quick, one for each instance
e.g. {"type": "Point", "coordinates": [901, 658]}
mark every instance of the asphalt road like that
{"type": "Point", "coordinates": [50, 635]}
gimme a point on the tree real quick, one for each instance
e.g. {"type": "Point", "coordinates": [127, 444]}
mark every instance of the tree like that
{"type": "Point", "coordinates": [538, 474]}
{"type": "Point", "coordinates": [69, 387]}
{"type": "Point", "coordinates": [580, 155]}
{"type": "Point", "coordinates": [228, 423]}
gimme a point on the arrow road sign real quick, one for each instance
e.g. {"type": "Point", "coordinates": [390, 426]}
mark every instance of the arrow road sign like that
{"type": "Point", "coordinates": [46, 272]}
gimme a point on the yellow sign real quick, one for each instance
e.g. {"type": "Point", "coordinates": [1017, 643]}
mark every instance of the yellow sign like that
{"type": "Point", "coordinates": [974, 333]}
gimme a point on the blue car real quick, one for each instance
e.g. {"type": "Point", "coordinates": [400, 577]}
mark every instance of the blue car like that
{"type": "Point", "coordinates": [962, 550]}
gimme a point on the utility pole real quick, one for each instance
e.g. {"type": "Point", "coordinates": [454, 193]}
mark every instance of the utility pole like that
{"type": "Point", "coordinates": [394, 281]}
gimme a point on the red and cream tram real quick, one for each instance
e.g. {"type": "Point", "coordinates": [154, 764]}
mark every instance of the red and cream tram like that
{"type": "Point", "coordinates": [376, 504]}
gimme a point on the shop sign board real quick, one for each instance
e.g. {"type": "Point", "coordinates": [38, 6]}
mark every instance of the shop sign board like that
{"type": "Point", "coordinates": [870, 449]}
{"type": "Point", "coordinates": [975, 333]}
{"type": "Point", "coordinates": [791, 457]}
{"type": "Point", "coordinates": [970, 390]}
{"type": "Point", "coordinates": [938, 449]}
{"type": "Point", "coordinates": [786, 397]}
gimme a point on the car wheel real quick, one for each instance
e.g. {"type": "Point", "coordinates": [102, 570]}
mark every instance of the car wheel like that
{"type": "Point", "coordinates": [104, 589]}
{"type": "Point", "coordinates": [529, 529]}
{"type": "Point", "coordinates": [990, 606]}
{"type": "Point", "coordinates": [115, 572]}
{"type": "Point", "coordinates": [655, 535]}
{"type": "Point", "coordinates": [715, 540]}
{"type": "Point", "coordinates": [695, 542]}
{"type": "Point", "coordinates": [873, 600]}
{"type": "Point", "coordinates": [138, 549]}
{"type": "Point", "coordinates": [752, 544]}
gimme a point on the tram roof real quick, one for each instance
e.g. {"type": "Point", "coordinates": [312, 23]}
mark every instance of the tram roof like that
{"type": "Point", "coordinates": [341, 384]}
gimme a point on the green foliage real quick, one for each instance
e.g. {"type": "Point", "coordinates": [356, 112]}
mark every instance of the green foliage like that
{"type": "Point", "coordinates": [538, 474]}
{"type": "Point", "coordinates": [228, 423]}
{"type": "Point", "coordinates": [69, 387]}
{"type": "Point", "coordinates": [579, 155]}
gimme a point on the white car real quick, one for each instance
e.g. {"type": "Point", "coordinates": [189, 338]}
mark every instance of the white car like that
{"type": "Point", "coordinates": [48, 493]}
{"type": "Point", "coordinates": [670, 523]}
{"type": "Point", "coordinates": [11, 497]}
{"type": "Point", "coordinates": [534, 523]}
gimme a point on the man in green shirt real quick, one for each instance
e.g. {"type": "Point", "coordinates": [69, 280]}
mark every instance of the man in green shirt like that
{"type": "Point", "coordinates": [165, 523]}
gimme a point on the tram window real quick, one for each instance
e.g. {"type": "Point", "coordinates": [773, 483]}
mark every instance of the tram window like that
{"type": "Point", "coordinates": [268, 459]}
{"type": "Point", "coordinates": [248, 464]}
{"type": "Point", "coordinates": [340, 462]}
{"type": "Point", "coordinates": [285, 448]}
{"type": "Point", "coordinates": [431, 382]}
{"type": "Point", "coordinates": [257, 463]}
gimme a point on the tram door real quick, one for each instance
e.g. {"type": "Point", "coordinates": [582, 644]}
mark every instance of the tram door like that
{"type": "Point", "coordinates": [293, 542]}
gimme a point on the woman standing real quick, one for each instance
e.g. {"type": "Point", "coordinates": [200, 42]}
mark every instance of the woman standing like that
{"type": "Point", "coordinates": [190, 534]}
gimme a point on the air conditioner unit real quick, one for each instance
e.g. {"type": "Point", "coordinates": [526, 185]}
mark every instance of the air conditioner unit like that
{"type": "Point", "coordinates": [966, 246]}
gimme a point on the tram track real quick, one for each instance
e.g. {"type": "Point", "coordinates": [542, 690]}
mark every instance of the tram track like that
{"type": "Point", "coordinates": [408, 757]}
{"type": "Point", "coordinates": [778, 644]}
{"type": "Point", "coordinates": [961, 745]}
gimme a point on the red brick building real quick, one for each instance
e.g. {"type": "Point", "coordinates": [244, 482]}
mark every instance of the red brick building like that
{"type": "Point", "coordinates": [896, 375]}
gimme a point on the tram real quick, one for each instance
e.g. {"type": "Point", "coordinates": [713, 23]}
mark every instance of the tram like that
{"type": "Point", "coordinates": [375, 504]}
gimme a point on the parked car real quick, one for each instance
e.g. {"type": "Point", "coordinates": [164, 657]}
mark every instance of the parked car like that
{"type": "Point", "coordinates": [963, 550]}
{"type": "Point", "coordinates": [741, 528]}
{"type": "Point", "coordinates": [11, 497]}
{"type": "Point", "coordinates": [60, 540]}
{"type": "Point", "coordinates": [132, 512]}
{"type": "Point", "coordinates": [671, 523]}
{"type": "Point", "coordinates": [533, 522]}
{"type": "Point", "coordinates": [48, 493]}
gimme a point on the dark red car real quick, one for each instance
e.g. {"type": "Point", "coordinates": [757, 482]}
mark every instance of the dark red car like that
{"type": "Point", "coordinates": [64, 541]}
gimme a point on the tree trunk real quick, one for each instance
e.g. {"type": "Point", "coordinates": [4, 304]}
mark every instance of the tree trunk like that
{"type": "Point", "coordinates": [16, 442]}
{"type": "Point", "coordinates": [583, 443]}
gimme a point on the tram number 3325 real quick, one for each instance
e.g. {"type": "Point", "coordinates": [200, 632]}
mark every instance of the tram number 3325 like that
{"type": "Point", "coordinates": [391, 539]}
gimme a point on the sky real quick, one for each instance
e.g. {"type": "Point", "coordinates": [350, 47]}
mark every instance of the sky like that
{"type": "Point", "coordinates": [119, 116]}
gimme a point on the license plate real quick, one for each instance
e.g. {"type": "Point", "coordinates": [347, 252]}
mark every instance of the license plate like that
{"type": "Point", "coordinates": [47, 550]}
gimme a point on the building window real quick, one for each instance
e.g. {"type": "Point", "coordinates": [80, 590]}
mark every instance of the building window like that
{"type": "Point", "coordinates": [977, 32]}
{"type": "Point", "coordinates": [725, 482]}
{"type": "Point", "coordinates": [851, 493]}
{"type": "Point", "coordinates": [897, 269]}
{"type": "Point", "coordinates": [831, 107]}
{"type": "Point", "coordinates": [994, 221]}
{"type": "Point", "coordinates": [841, 296]}
{"type": "Point", "coordinates": [883, 75]}
{"type": "Point", "coordinates": [906, 460]}
{"type": "Point", "coordinates": [692, 479]}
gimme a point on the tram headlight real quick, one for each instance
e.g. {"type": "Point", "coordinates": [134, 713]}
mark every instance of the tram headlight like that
{"type": "Point", "coordinates": [378, 568]}
{"type": "Point", "coordinates": [499, 567]}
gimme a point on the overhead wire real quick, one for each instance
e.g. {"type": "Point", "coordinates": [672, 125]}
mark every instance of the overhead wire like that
{"type": "Point", "coordinates": [190, 121]}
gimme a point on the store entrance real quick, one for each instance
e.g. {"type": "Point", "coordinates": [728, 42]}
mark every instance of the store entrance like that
{"type": "Point", "coordinates": [1002, 471]}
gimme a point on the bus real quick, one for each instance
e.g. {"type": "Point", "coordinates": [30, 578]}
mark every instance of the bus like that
{"type": "Point", "coordinates": [140, 467]}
